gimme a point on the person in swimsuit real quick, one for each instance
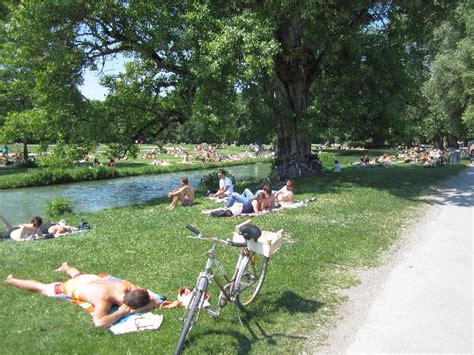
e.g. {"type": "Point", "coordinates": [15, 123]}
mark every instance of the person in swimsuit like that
{"type": "Point", "coordinates": [285, 194]}
{"type": "Point", "coordinates": [263, 201]}
{"type": "Point", "coordinates": [56, 229]}
{"type": "Point", "coordinates": [185, 194]}
{"type": "Point", "coordinates": [22, 232]}
{"type": "Point", "coordinates": [100, 292]}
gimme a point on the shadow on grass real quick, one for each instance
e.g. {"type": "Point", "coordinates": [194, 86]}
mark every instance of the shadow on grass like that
{"type": "Point", "coordinates": [7, 170]}
{"type": "Point", "coordinates": [407, 182]}
{"type": "Point", "coordinates": [294, 303]}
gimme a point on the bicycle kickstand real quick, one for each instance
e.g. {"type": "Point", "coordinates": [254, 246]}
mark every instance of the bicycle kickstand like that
{"type": "Point", "coordinates": [237, 311]}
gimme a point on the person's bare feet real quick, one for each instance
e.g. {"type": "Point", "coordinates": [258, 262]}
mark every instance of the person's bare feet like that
{"type": "Point", "coordinates": [63, 267]}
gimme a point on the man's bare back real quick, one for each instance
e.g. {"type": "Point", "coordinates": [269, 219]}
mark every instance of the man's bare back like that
{"type": "Point", "coordinates": [102, 293]}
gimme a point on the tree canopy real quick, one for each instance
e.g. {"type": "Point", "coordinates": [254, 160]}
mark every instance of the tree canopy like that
{"type": "Point", "coordinates": [250, 71]}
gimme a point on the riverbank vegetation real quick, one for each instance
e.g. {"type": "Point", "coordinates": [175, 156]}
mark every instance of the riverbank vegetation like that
{"type": "Point", "coordinates": [144, 163]}
{"type": "Point", "coordinates": [358, 214]}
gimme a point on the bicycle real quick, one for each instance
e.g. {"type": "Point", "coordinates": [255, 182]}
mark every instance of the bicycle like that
{"type": "Point", "coordinates": [242, 288]}
{"type": "Point", "coordinates": [296, 169]}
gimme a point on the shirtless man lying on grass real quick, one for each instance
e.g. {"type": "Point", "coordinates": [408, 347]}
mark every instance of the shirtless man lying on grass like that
{"type": "Point", "coordinates": [103, 294]}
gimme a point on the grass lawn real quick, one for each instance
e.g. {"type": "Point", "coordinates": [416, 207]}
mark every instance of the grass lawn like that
{"type": "Point", "coordinates": [359, 214]}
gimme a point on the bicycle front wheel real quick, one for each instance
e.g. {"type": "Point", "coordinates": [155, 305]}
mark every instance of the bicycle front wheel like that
{"type": "Point", "coordinates": [192, 312]}
{"type": "Point", "coordinates": [250, 277]}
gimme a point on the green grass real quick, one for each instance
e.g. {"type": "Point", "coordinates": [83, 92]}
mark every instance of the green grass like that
{"type": "Point", "coordinates": [359, 213]}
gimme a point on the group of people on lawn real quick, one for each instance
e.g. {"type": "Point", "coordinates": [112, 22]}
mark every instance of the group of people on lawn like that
{"type": "Point", "coordinates": [102, 293]}
{"type": "Point", "coordinates": [263, 200]}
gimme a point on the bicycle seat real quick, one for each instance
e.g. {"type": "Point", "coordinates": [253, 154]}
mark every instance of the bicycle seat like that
{"type": "Point", "coordinates": [250, 231]}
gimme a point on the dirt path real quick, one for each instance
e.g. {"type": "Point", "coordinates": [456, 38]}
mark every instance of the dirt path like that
{"type": "Point", "coordinates": [420, 301]}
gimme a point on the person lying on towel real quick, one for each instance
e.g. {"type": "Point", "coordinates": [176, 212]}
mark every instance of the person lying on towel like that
{"type": "Point", "coordinates": [101, 293]}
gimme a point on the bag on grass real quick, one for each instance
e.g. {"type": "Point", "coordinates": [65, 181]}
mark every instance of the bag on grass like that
{"type": "Point", "coordinates": [221, 213]}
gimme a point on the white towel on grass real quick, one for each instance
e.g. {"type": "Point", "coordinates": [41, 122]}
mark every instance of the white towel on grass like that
{"type": "Point", "coordinates": [137, 323]}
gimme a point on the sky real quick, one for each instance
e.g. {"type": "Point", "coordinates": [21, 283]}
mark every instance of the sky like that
{"type": "Point", "coordinates": [91, 87]}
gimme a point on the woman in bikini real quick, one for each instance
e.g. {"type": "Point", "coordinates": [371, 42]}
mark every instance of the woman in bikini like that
{"type": "Point", "coordinates": [22, 232]}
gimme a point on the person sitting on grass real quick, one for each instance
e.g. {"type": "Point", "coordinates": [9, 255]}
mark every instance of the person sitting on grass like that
{"type": "Point", "coordinates": [22, 232]}
{"type": "Point", "coordinates": [100, 292]}
{"type": "Point", "coordinates": [286, 193]}
{"type": "Point", "coordinates": [225, 186]}
{"type": "Point", "coordinates": [337, 167]}
{"type": "Point", "coordinates": [185, 194]}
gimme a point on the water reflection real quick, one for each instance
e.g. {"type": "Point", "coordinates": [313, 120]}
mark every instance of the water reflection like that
{"type": "Point", "coordinates": [18, 205]}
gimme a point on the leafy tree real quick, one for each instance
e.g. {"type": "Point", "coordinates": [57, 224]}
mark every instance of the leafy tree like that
{"type": "Point", "coordinates": [449, 88]}
{"type": "Point", "coordinates": [26, 127]}
{"type": "Point", "coordinates": [212, 64]}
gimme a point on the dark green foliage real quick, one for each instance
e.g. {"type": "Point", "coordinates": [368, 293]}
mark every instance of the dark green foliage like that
{"type": "Point", "coordinates": [210, 182]}
{"type": "Point", "coordinates": [327, 160]}
{"type": "Point", "coordinates": [58, 207]}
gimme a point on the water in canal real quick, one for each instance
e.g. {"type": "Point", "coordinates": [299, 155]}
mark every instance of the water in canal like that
{"type": "Point", "coordinates": [18, 205]}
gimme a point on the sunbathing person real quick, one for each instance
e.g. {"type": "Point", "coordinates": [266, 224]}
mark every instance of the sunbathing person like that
{"type": "Point", "coordinates": [286, 194]}
{"type": "Point", "coordinates": [56, 229]}
{"type": "Point", "coordinates": [185, 194]}
{"type": "Point", "coordinates": [22, 232]}
{"type": "Point", "coordinates": [245, 197]}
{"type": "Point", "coordinates": [101, 293]}
{"type": "Point", "coordinates": [263, 201]}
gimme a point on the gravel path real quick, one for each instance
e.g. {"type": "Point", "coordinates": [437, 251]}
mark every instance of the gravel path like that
{"type": "Point", "coordinates": [420, 300]}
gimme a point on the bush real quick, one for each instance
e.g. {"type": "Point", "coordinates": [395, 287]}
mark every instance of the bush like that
{"type": "Point", "coordinates": [63, 156]}
{"type": "Point", "coordinates": [58, 207]}
{"type": "Point", "coordinates": [210, 182]}
{"type": "Point", "coordinates": [327, 160]}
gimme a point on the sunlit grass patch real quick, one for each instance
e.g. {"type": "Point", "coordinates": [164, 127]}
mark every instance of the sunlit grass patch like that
{"type": "Point", "coordinates": [357, 216]}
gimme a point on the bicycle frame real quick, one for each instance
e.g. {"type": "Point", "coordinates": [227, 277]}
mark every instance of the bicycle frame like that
{"type": "Point", "coordinates": [211, 276]}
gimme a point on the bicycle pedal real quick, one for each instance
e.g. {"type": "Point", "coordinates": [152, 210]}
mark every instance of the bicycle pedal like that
{"type": "Point", "coordinates": [213, 313]}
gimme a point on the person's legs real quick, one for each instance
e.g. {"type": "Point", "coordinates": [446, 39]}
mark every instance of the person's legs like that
{"type": "Point", "coordinates": [235, 197]}
{"type": "Point", "coordinates": [71, 271]}
{"type": "Point", "coordinates": [248, 194]}
{"type": "Point", "coordinates": [29, 285]}
{"type": "Point", "coordinates": [7, 224]}
{"type": "Point", "coordinates": [174, 202]}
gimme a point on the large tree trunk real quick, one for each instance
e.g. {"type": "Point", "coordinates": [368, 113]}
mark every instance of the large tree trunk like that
{"type": "Point", "coordinates": [438, 141]}
{"type": "Point", "coordinates": [295, 68]}
{"type": "Point", "coordinates": [452, 141]}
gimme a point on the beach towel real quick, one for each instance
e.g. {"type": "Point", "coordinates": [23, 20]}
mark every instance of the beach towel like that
{"type": "Point", "coordinates": [131, 322]}
{"type": "Point", "coordinates": [236, 209]}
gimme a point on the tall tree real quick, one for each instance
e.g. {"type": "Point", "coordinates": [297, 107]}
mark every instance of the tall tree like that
{"type": "Point", "coordinates": [449, 88]}
{"type": "Point", "coordinates": [208, 55]}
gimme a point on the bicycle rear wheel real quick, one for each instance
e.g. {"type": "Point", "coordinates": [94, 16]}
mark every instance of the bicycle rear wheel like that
{"type": "Point", "coordinates": [250, 278]}
{"type": "Point", "coordinates": [192, 312]}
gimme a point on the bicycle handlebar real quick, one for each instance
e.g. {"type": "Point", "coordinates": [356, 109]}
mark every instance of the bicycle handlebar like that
{"type": "Point", "coordinates": [235, 244]}
{"type": "Point", "coordinates": [227, 241]}
{"type": "Point", "coordinates": [193, 229]}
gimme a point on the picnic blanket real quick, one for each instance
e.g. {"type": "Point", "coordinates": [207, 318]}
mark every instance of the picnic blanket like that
{"type": "Point", "coordinates": [131, 322]}
{"type": "Point", "coordinates": [236, 209]}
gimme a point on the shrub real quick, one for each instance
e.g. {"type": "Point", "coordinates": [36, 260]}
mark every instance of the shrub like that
{"type": "Point", "coordinates": [58, 207]}
{"type": "Point", "coordinates": [210, 182]}
{"type": "Point", "coordinates": [63, 156]}
{"type": "Point", "coordinates": [327, 160]}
